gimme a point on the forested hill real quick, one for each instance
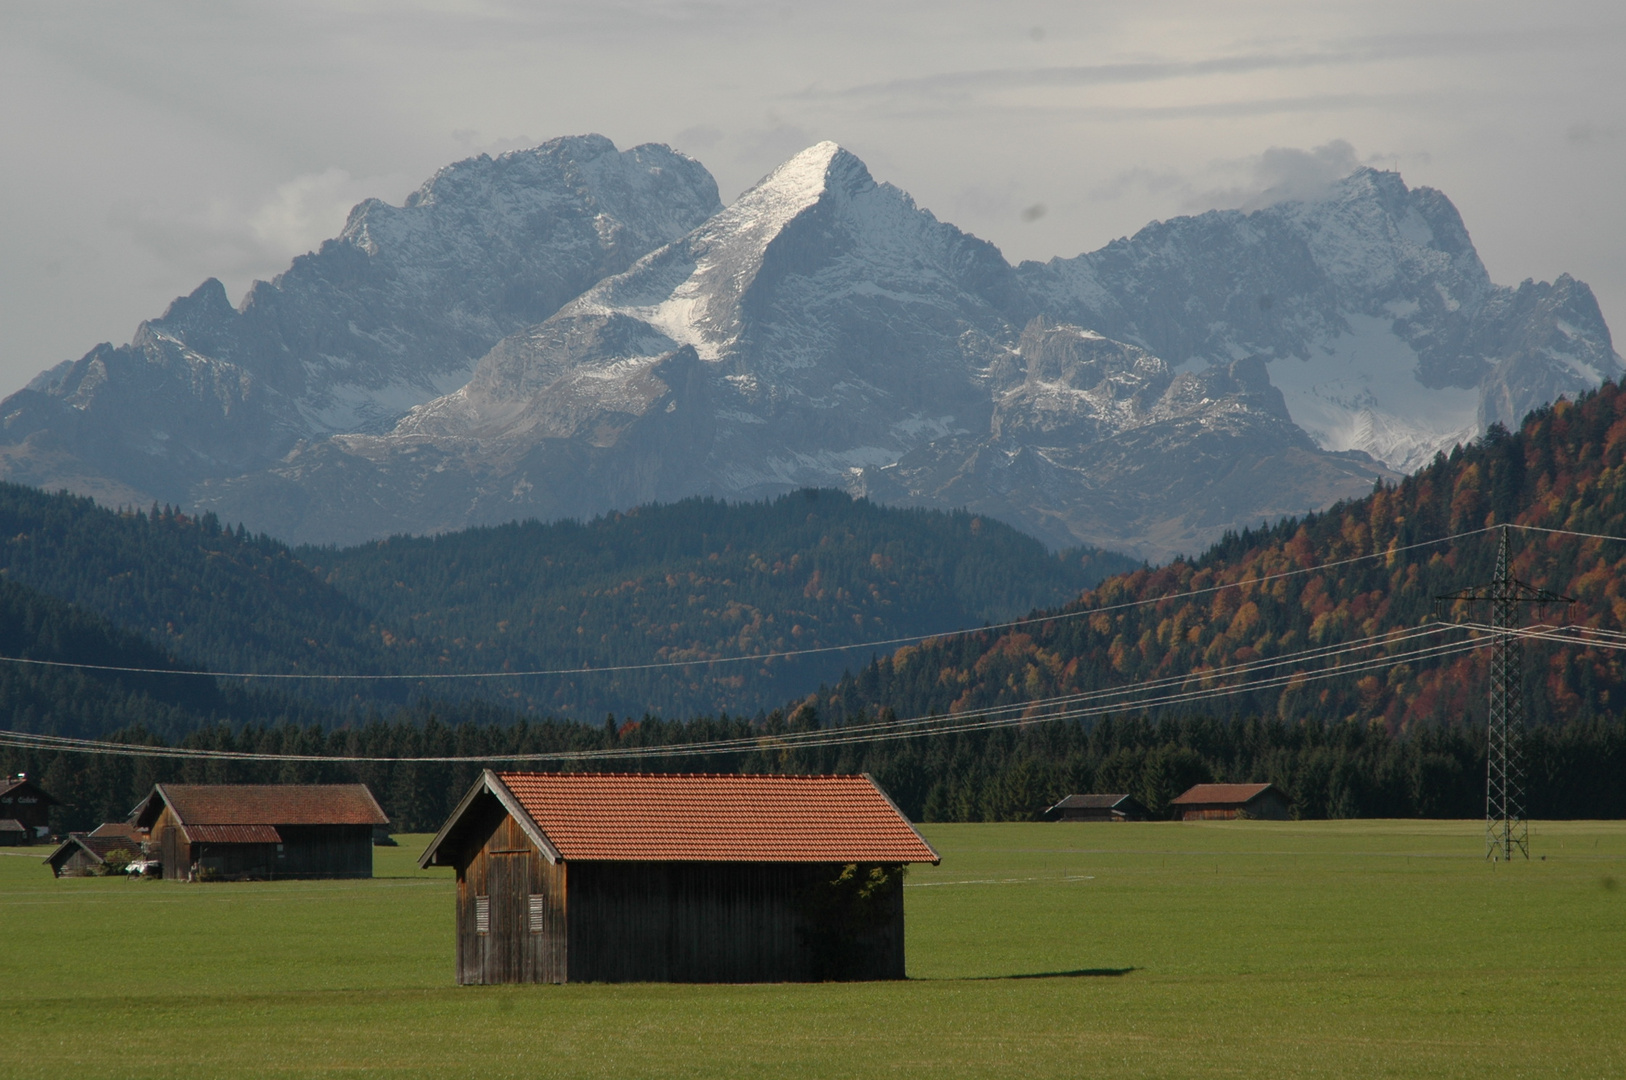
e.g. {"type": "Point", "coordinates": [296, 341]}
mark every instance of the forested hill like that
{"type": "Point", "coordinates": [217, 597]}
{"type": "Point", "coordinates": [40, 697]}
{"type": "Point", "coordinates": [700, 579]}
{"type": "Point", "coordinates": [1565, 469]}
{"type": "Point", "coordinates": [694, 580]}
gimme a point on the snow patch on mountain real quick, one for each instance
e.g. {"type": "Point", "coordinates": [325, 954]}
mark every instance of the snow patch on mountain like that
{"type": "Point", "coordinates": [1359, 391]}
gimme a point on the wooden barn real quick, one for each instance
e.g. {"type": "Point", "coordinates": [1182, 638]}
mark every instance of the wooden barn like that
{"type": "Point", "coordinates": [1206, 802]}
{"type": "Point", "coordinates": [262, 831]}
{"type": "Point", "coordinates": [25, 811]}
{"type": "Point", "coordinates": [666, 877]}
{"type": "Point", "coordinates": [1098, 808]}
{"type": "Point", "coordinates": [83, 854]}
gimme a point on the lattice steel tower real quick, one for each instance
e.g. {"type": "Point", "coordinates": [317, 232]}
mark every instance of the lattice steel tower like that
{"type": "Point", "coordinates": [1506, 829]}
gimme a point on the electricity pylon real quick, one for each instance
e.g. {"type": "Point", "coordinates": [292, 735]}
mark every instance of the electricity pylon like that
{"type": "Point", "coordinates": [1506, 828]}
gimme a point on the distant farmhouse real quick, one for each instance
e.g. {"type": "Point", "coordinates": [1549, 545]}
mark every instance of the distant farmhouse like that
{"type": "Point", "coordinates": [604, 877]}
{"type": "Point", "coordinates": [1206, 802]}
{"type": "Point", "coordinates": [1098, 808]}
{"type": "Point", "coordinates": [25, 812]}
{"type": "Point", "coordinates": [260, 830]}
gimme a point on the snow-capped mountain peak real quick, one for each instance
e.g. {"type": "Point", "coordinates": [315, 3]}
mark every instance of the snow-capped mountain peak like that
{"type": "Point", "coordinates": [1374, 312]}
{"type": "Point", "coordinates": [691, 291]}
{"type": "Point", "coordinates": [631, 339]}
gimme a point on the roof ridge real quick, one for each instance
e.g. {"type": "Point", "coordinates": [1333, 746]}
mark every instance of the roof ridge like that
{"type": "Point", "coordinates": [733, 817]}
{"type": "Point", "coordinates": [687, 775]}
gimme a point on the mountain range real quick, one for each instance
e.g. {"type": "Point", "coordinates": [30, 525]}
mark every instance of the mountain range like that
{"type": "Point", "coordinates": [564, 331]}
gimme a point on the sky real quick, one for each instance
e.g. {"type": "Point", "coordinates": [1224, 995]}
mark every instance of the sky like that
{"type": "Point", "coordinates": [146, 147]}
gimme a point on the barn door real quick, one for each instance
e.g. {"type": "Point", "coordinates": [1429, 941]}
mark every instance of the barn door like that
{"type": "Point", "coordinates": [508, 883]}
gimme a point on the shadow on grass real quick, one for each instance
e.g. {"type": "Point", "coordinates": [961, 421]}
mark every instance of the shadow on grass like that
{"type": "Point", "coordinates": [1080, 973]}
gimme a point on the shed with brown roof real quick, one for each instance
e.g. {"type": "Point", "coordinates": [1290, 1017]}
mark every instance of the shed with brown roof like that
{"type": "Point", "coordinates": [1098, 808]}
{"type": "Point", "coordinates": [84, 854]}
{"type": "Point", "coordinates": [260, 830]}
{"type": "Point", "coordinates": [670, 877]}
{"type": "Point", "coordinates": [1225, 801]}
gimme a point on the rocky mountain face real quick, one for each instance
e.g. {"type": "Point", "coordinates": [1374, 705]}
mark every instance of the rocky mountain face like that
{"type": "Point", "coordinates": [393, 312]}
{"type": "Point", "coordinates": [1380, 325]}
{"type": "Point", "coordinates": [592, 332]}
{"type": "Point", "coordinates": [820, 324]}
{"type": "Point", "coordinates": [1102, 440]}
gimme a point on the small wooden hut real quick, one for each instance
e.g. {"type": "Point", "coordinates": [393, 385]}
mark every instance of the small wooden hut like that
{"type": "Point", "coordinates": [260, 830]}
{"type": "Point", "coordinates": [618, 877]}
{"type": "Point", "coordinates": [1206, 802]}
{"type": "Point", "coordinates": [1098, 808]}
{"type": "Point", "coordinates": [25, 811]}
{"type": "Point", "coordinates": [83, 854]}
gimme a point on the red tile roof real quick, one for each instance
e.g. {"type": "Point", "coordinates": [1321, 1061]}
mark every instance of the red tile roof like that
{"type": "Point", "coordinates": [1220, 793]}
{"type": "Point", "coordinates": [231, 834]}
{"type": "Point", "coordinates": [268, 804]}
{"type": "Point", "coordinates": [717, 817]}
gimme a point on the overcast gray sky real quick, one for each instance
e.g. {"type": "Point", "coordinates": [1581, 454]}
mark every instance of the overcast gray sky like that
{"type": "Point", "coordinates": [148, 146]}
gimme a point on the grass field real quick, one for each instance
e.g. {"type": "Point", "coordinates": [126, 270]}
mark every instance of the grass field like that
{"type": "Point", "coordinates": [1236, 949]}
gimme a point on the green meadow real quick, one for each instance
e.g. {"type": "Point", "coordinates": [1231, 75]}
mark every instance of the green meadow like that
{"type": "Point", "coordinates": [1234, 949]}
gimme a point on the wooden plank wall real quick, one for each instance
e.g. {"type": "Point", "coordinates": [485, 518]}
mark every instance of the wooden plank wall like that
{"type": "Point", "coordinates": [234, 861]}
{"type": "Point", "coordinates": [325, 851]}
{"type": "Point", "coordinates": [174, 853]}
{"type": "Point", "coordinates": [505, 869]}
{"type": "Point", "coordinates": [79, 864]}
{"type": "Point", "coordinates": [719, 922]}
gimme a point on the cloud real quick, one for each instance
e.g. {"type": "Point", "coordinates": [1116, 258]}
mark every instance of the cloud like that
{"type": "Point", "coordinates": [1588, 134]}
{"type": "Point", "coordinates": [1284, 173]}
{"type": "Point", "coordinates": [699, 137]}
{"type": "Point", "coordinates": [1139, 178]}
{"type": "Point", "coordinates": [1278, 174]}
{"type": "Point", "coordinates": [473, 142]}
{"type": "Point", "coordinates": [224, 239]}
{"type": "Point", "coordinates": [304, 211]}
{"type": "Point", "coordinates": [1281, 174]}
{"type": "Point", "coordinates": [1112, 74]}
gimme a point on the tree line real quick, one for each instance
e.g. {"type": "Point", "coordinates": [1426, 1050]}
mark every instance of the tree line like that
{"type": "Point", "coordinates": [1337, 769]}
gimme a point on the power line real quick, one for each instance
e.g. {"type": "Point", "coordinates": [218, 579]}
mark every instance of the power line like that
{"type": "Point", "coordinates": [1324, 652]}
{"type": "Point", "coordinates": [753, 657]}
{"type": "Point", "coordinates": [1073, 707]}
{"type": "Point", "coordinates": [1070, 706]}
{"type": "Point", "coordinates": [1564, 532]}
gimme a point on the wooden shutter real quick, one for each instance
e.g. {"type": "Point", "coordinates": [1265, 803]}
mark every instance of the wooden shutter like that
{"type": "Point", "coordinates": [538, 913]}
